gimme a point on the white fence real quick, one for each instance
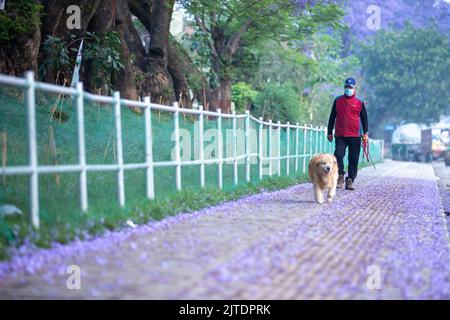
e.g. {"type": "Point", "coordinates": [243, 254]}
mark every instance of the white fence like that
{"type": "Point", "coordinates": [33, 170]}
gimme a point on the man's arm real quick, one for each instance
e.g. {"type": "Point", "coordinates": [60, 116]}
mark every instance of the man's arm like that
{"type": "Point", "coordinates": [332, 118]}
{"type": "Point", "coordinates": [364, 120]}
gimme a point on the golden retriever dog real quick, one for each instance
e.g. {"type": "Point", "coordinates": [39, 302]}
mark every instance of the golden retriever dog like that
{"type": "Point", "coordinates": [323, 173]}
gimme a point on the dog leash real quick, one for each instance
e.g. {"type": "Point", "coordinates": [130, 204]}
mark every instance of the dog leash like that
{"type": "Point", "coordinates": [366, 152]}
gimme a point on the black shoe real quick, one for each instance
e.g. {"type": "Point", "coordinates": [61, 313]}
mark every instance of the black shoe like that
{"type": "Point", "coordinates": [340, 182]}
{"type": "Point", "coordinates": [349, 184]}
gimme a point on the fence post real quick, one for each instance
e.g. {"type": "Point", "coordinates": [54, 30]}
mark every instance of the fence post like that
{"type": "Point", "coordinates": [296, 147]}
{"type": "Point", "coordinates": [176, 125]}
{"type": "Point", "coordinates": [149, 149]}
{"type": "Point", "coordinates": [287, 148]}
{"type": "Point", "coordinates": [311, 142]}
{"type": "Point", "coordinates": [247, 145]}
{"type": "Point", "coordinates": [279, 148]}
{"type": "Point", "coordinates": [235, 161]}
{"type": "Point", "coordinates": [316, 140]}
{"type": "Point", "coordinates": [305, 132]}
{"type": "Point", "coordinates": [220, 148]}
{"type": "Point", "coordinates": [81, 147]}
{"type": "Point", "coordinates": [260, 149]}
{"type": "Point", "coordinates": [382, 149]}
{"type": "Point", "coordinates": [119, 149]}
{"type": "Point", "coordinates": [32, 149]}
{"type": "Point", "coordinates": [323, 140]}
{"type": "Point", "coordinates": [202, 155]}
{"type": "Point", "coordinates": [320, 132]}
{"type": "Point", "coordinates": [329, 144]}
{"type": "Point", "coordinates": [270, 147]}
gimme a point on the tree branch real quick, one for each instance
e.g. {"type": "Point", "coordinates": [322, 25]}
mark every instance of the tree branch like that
{"type": "Point", "coordinates": [233, 43]}
{"type": "Point", "coordinates": [203, 27]}
{"type": "Point", "coordinates": [142, 12]}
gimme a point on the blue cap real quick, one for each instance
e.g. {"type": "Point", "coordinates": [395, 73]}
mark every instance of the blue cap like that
{"type": "Point", "coordinates": [350, 82]}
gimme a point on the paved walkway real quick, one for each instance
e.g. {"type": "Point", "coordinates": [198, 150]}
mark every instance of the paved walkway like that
{"type": "Point", "coordinates": [278, 245]}
{"type": "Point", "coordinates": [443, 173]}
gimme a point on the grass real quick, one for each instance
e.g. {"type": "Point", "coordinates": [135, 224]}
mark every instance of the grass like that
{"type": "Point", "coordinates": [15, 230]}
{"type": "Point", "coordinates": [60, 216]}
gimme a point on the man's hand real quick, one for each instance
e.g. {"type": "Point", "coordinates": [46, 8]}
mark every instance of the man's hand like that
{"type": "Point", "coordinates": [365, 137]}
{"type": "Point", "coordinates": [330, 137]}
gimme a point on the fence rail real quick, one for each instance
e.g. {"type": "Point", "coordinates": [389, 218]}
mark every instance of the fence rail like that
{"type": "Point", "coordinates": [312, 136]}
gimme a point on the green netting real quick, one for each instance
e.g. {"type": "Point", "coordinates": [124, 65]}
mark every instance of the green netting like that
{"type": "Point", "coordinates": [57, 144]}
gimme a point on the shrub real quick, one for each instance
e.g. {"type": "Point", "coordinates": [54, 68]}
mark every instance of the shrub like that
{"type": "Point", "coordinates": [278, 102]}
{"type": "Point", "coordinates": [243, 96]}
{"type": "Point", "coordinates": [20, 17]}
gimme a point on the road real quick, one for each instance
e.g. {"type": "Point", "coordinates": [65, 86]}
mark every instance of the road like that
{"type": "Point", "coordinates": [386, 240]}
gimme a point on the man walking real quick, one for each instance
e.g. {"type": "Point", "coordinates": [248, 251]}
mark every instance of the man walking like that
{"type": "Point", "coordinates": [349, 118]}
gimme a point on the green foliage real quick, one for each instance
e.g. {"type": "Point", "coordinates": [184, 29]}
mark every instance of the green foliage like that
{"type": "Point", "coordinates": [324, 76]}
{"type": "Point", "coordinates": [104, 52]}
{"type": "Point", "coordinates": [408, 75]}
{"type": "Point", "coordinates": [243, 96]}
{"type": "Point", "coordinates": [231, 29]}
{"type": "Point", "coordinates": [313, 67]}
{"type": "Point", "coordinates": [20, 17]}
{"type": "Point", "coordinates": [56, 57]}
{"type": "Point", "coordinates": [197, 46]}
{"type": "Point", "coordinates": [278, 102]}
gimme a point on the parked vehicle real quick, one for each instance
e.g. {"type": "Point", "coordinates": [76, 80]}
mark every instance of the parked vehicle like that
{"type": "Point", "coordinates": [441, 142]}
{"type": "Point", "coordinates": [406, 142]}
{"type": "Point", "coordinates": [447, 157]}
{"type": "Point", "coordinates": [411, 143]}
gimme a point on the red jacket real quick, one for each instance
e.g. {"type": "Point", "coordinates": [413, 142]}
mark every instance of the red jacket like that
{"type": "Point", "coordinates": [347, 115]}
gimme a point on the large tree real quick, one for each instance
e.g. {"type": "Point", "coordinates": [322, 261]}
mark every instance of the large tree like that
{"type": "Point", "coordinates": [34, 35]}
{"type": "Point", "coordinates": [407, 73]}
{"type": "Point", "coordinates": [226, 25]}
{"type": "Point", "coordinates": [20, 36]}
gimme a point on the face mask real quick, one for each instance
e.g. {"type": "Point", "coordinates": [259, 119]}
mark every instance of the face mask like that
{"type": "Point", "coordinates": [349, 92]}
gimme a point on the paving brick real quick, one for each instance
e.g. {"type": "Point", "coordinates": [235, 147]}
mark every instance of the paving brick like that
{"type": "Point", "coordinates": [278, 245]}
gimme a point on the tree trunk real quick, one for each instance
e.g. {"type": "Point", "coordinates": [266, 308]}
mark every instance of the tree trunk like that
{"type": "Point", "coordinates": [142, 9]}
{"type": "Point", "coordinates": [54, 23]}
{"type": "Point", "coordinates": [158, 83]}
{"type": "Point", "coordinates": [103, 21]}
{"type": "Point", "coordinates": [180, 82]}
{"type": "Point", "coordinates": [180, 66]}
{"type": "Point", "coordinates": [55, 19]}
{"type": "Point", "coordinates": [222, 95]}
{"type": "Point", "coordinates": [21, 55]}
{"type": "Point", "coordinates": [132, 38]}
{"type": "Point", "coordinates": [126, 80]}
{"type": "Point", "coordinates": [20, 52]}
{"type": "Point", "coordinates": [185, 75]}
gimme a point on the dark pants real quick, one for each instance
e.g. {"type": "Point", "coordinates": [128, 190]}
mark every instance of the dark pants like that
{"type": "Point", "coordinates": [354, 147]}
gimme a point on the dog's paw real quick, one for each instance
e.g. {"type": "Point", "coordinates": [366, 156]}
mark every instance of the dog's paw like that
{"type": "Point", "coordinates": [329, 200]}
{"type": "Point", "coordinates": [320, 201]}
